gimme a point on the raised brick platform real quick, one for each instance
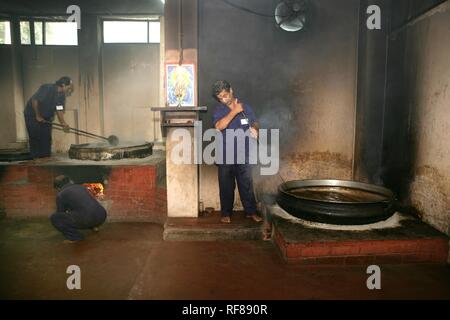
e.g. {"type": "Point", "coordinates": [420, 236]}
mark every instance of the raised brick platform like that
{"type": "Point", "coordinates": [209, 228]}
{"type": "Point", "coordinates": [411, 242]}
{"type": "Point", "coordinates": [134, 190]}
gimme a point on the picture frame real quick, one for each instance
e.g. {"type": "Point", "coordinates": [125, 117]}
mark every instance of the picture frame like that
{"type": "Point", "coordinates": [180, 85]}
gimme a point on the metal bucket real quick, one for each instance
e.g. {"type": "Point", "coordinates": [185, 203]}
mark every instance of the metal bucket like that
{"type": "Point", "coordinates": [336, 201]}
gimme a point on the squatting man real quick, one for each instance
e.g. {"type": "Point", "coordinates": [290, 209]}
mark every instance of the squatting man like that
{"type": "Point", "coordinates": [76, 209]}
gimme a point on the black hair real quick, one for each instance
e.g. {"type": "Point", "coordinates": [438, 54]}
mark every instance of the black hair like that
{"type": "Point", "coordinates": [64, 81]}
{"type": "Point", "coordinates": [60, 181]}
{"type": "Point", "coordinates": [219, 86]}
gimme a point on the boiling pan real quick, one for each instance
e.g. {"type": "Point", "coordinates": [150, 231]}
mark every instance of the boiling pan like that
{"type": "Point", "coordinates": [336, 201]}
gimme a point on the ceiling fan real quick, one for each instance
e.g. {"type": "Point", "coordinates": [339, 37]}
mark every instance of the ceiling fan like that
{"type": "Point", "coordinates": [290, 15]}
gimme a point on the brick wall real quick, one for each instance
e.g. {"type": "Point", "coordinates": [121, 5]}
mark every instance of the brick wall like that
{"type": "Point", "coordinates": [364, 252]}
{"type": "Point", "coordinates": [132, 193]}
{"type": "Point", "coordinates": [26, 191]}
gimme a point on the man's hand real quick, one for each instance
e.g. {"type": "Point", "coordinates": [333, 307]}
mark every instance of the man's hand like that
{"type": "Point", "coordinates": [60, 115]}
{"type": "Point", "coordinates": [35, 106]}
{"type": "Point", "coordinates": [254, 133]}
{"type": "Point", "coordinates": [238, 107]}
{"type": "Point", "coordinates": [66, 129]}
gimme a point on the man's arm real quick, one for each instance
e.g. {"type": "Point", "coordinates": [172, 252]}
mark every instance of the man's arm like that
{"type": "Point", "coordinates": [60, 115]}
{"type": "Point", "coordinates": [254, 125]}
{"type": "Point", "coordinates": [223, 123]}
{"type": "Point", "coordinates": [35, 105]}
{"type": "Point", "coordinates": [59, 203]}
{"type": "Point", "coordinates": [254, 130]}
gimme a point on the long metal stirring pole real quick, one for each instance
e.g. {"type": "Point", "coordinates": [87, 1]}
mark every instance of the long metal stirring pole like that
{"type": "Point", "coordinates": [257, 140]}
{"type": "Point", "coordinates": [77, 130]}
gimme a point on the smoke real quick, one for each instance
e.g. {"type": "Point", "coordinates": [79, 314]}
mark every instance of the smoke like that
{"type": "Point", "coordinates": [275, 114]}
{"type": "Point", "coordinates": [278, 114]}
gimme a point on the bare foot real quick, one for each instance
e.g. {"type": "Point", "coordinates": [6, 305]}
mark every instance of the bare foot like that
{"type": "Point", "coordinates": [225, 220]}
{"type": "Point", "coordinates": [255, 217]}
{"type": "Point", "coordinates": [70, 241]}
{"type": "Point", "coordinates": [267, 234]}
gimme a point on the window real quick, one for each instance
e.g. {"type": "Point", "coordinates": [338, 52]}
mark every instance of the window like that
{"type": "Point", "coordinates": [38, 33]}
{"type": "Point", "coordinates": [61, 33]}
{"type": "Point", "coordinates": [154, 32]}
{"type": "Point", "coordinates": [5, 32]}
{"type": "Point", "coordinates": [49, 33]}
{"type": "Point", "coordinates": [131, 31]}
{"type": "Point", "coordinates": [125, 31]}
{"type": "Point", "coordinates": [25, 37]}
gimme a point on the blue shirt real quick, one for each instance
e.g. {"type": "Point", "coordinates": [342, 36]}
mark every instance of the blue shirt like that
{"type": "Point", "coordinates": [221, 112]}
{"type": "Point", "coordinates": [48, 97]}
{"type": "Point", "coordinates": [75, 197]}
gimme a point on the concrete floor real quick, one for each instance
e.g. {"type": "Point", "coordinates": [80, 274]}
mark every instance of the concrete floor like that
{"type": "Point", "coordinates": [131, 261]}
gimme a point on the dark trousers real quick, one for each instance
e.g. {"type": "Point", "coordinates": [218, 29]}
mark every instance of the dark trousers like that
{"type": "Point", "coordinates": [69, 223]}
{"type": "Point", "coordinates": [40, 138]}
{"type": "Point", "coordinates": [228, 175]}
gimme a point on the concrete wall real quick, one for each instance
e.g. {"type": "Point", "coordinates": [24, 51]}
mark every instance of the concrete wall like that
{"type": "Point", "coordinates": [130, 88]}
{"type": "Point", "coordinates": [418, 115]}
{"type": "Point", "coordinates": [13, 131]}
{"type": "Point", "coordinates": [46, 64]}
{"type": "Point", "coordinates": [130, 78]}
{"type": "Point", "coordinates": [302, 83]}
{"type": "Point", "coordinates": [428, 45]}
{"type": "Point", "coordinates": [8, 116]}
{"type": "Point", "coordinates": [27, 67]}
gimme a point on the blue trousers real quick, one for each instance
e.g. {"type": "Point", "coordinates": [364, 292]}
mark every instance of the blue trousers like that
{"type": "Point", "coordinates": [69, 223]}
{"type": "Point", "coordinates": [40, 138]}
{"type": "Point", "coordinates": [228, 176]}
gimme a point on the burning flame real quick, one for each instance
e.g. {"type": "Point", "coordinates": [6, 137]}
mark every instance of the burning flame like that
{"type": "Point", "coordinates": [95, 189]}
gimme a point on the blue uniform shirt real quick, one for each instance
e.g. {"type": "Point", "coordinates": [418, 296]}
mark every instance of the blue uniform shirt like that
{"type": "Point", "coordinates": [48, 97]}
{"type": "Point", "coordinates": [75, 197]}
{"type": "Point", "coordinates": [221, 112]}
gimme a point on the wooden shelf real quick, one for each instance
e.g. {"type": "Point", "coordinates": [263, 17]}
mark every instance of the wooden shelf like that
{"type": "Point", "coordinates": [177, 125]}
{"type": "Point", "coordinates": [179, 109]}
{"type": "Point", "coordinates": [184, 117]}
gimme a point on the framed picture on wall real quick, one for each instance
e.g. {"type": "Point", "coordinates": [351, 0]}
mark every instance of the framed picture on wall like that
{"type": "Point", "coordinates": [180, 85]}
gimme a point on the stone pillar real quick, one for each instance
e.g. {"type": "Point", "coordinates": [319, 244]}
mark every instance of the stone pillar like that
{"type": "Point", "coordinates": [182, 180]}
{"type": "Point", "coordinates": [90, 110]}
{"type": "Point", "coordinates": [19, 103]}
{"type": "Point", "coordinates": [372, 59]}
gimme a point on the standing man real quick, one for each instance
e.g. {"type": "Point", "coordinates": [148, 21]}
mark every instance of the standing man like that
{"type": "Point", "coordinates": [233, 114]}
{"type": "Point", "coordinates": [40, 111]}
{"type": "Point", "coordinates": [76, 209]}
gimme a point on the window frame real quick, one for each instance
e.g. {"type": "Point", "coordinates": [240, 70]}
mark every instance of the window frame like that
{"type": "Point", "coordinates": [6, 19]}
{"type": "Point", "coordinates": [147, 20]}
{"type": "Point", "coordinates": [44, 20]}
{"type": "Point", "coordinates": [44, 38]}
